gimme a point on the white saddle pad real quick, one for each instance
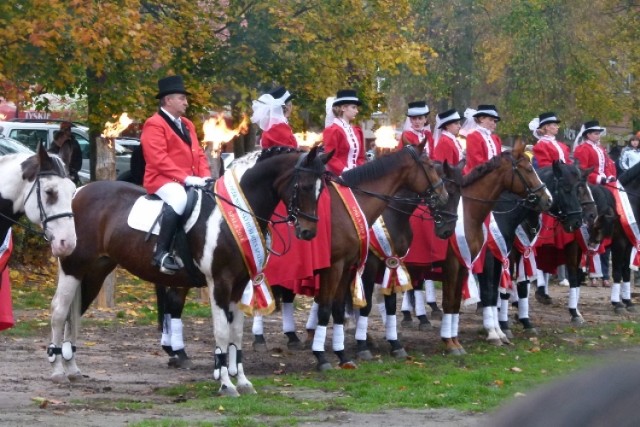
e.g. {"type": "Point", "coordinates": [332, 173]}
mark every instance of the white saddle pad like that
{"type": "Point", "coordinates": [144, 212]}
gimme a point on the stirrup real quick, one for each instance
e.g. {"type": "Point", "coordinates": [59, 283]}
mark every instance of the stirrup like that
{"type": "Point", "coordinates": [168, 264]}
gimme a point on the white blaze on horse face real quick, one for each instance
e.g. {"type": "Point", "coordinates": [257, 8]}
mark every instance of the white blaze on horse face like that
{"type": "Point", "coordinates": [318, 188]}
{"type": "Point", "coordinates": [56, 194]}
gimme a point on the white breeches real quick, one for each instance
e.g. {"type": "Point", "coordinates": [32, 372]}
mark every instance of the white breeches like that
{"type": "Point", "coordinates": [174, 195]}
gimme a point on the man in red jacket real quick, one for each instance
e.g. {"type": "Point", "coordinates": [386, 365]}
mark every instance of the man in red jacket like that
{"type": "Point", "coordinates": [174, 159]}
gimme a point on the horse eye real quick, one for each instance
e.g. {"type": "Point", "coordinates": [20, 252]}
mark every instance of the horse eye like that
{"type": "Point", "coordinates": [50, 192]}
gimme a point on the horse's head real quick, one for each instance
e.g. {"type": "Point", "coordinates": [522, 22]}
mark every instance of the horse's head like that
{"type": "Point", "coordinates": [564, 182]}
{"type": "Point", "coordinates": [426, 181]}
{"type": "Point", "coordinates": [303, 191]}
{"type": "Point", "coordinates": [603, 225]}
{"type": "Point", "coordinates": [524, 180]}
{"type": "Point", "coordinates": [589, 208]}
{"type": "Point", "coordinates": [446, 216]}
{"type": "Point", "coordinates": [47, 201]}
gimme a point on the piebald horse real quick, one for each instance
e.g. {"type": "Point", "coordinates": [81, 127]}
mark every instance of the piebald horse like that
{"type": "Point", "coordinates": [101, 210]}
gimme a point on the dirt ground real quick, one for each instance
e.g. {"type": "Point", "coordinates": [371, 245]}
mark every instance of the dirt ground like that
{"type": "Point", "coordinates": [126, 363]}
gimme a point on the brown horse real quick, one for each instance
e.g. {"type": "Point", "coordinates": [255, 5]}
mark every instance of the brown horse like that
{"type": "Point", "coordinates": [396, 221]}
{"type": "Point", "coordinates": [108, 241]}
{"type": "Point", "coordinates": [373, 185]}
{"type": "Point", "coordinates": [481, 188]}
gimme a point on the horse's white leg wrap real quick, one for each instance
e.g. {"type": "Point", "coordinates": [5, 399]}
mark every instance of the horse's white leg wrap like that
{"type": "Point", "coordinates": [258, 325]}
{"type": "Point", "coordinates": [338, 337]}
{"type": "Point", "coordinates": [361, 328]}
{"type": "Point", "coordinates": [523, 308]}
{"type": "Point", "coordinates": [455, 322]}
{"type": "Point", "coordinates": [488, 322]}
{"type": "Point", "coordinates": [391, 328]}
{"type": "Point", "coordinates": [312, 321]}
{"type": "Point", "coordinates": [573, 298]}
{"type": "Point", "coordinates": [430, 289]}
{"type": "Point", "coordinates": [615, 292]}
{"type": "Point", "coordinates": [177, 340]}
{"type": "Point", "coordinates": [446, 326]}
{"type": "Point", "coordinates": [406, 302]}
{"type": "Point", "coordinates": [626, 290]}
{"type": "Point", "coordinates": [165, 340]}
{"type": "Point", "coordinates": [503, 313]}
{"type": "Point", "coordinates": [288, 320]}
{"type": "Point", "coordinates": [319, 338]}
{"type": "Point", "coordinates": [421, 310]}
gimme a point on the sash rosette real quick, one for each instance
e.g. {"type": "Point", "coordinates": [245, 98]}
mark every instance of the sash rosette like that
{"type": "Point", "coordinates": [396, 276]}
{"type": "Point", "coordinates": [362, 230]}
{"type": "Point", "coordinates": [498, 247]}
{"type": "Point", "coordinates": [628, 222]}
{"type": "Point", "coordinates": [470, 294]}
{"type": "Point", "coordinates": [590, 260]}
{"type": "Point", "coordinates": [527, 266]}
{"type": "Point", "coordinates": [253, 246]}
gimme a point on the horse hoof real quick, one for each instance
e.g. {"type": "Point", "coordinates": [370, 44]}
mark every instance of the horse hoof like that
{"type": "Point", "coordinates": [531, 331]}
{"type": "Point", "coordinates": [75, 377]}
{"type": "Point", "coordinates": [399, 354]}
{"type": "Point", "coordinates": [495, 341]}
{"type": "Point", "coordinates": [406, 323]}
{"type": "Point", "coordinates": [577, 320]}
{"type": "Point", "coordinates": [260, 347]}
{"type": "Point", "coordinates": [295, 345]}
{"type": "Point", "coordinates": [507, 333]}
{"type": "Point", "coordinates": [364, 355]}
{"type": "Point", "coordinates": [505, 340]}
{"type": "Point", "coordinates": [462, 351]}
{"type": "Point", "coordinates": [436, 314]}
{"type": "Point", "coordinates": [246, 389]}
{"type": "Point", "coordinates": [228, 392]}
{"type": "Point", "coordinates": [180, 363]}
{"type": "Point", "coordinates": [543, 299]}
{"type": "Point", "coordinates": [453, 352]}
{"type": "Point", "coordinates": [425, 326]}
{"type": "Point", "coordinates": [60, 379]}
{"type": "Point", "coordinates": [619, 308]}
{"type": "Point", "coordinates": [631, 308]}
{"type": "Point", "coordinates": [348, 365]}
{"type": "Point", "coordinates": [326, 366]}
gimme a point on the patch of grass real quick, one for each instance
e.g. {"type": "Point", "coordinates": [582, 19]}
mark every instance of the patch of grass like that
{"type": "Point", "coordinates": [171, 423]}
{"type": "Point", "coordinates": [29, 295]}
{"type": "Point", "coordinates": [197, 309]}
{"type": "Point", "coordinates": [28, 328]}
{"type": "Point", "coordinates": [479, 381]}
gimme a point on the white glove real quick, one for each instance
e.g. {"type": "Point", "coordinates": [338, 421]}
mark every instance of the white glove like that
{"type": "Point", "coordinates": [195, 181]}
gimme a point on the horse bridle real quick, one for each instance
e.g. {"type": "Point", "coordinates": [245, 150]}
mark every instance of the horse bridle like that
{"type": "Point", "coordinates": [562, 215]}
{"type": "Point", "coordinates": [293, 210]}
{"type": "Point", "coordinates": [429, 195]}
{"type": "Point", "coordinates": [44, 219]}
{"type": "Point", "coordinates": [532, 199]}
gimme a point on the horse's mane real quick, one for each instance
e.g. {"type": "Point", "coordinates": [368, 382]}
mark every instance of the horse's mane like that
{"type": "Point", "coordinates": [374, 169]}
{"type": "Point", "coordinates": [602, 197]}
{"type": "Point", "coordinates": [274, 151]}
{"type": "Point", "coordinates": [484, 169]}
{"type": "Point", "coordinates": [568, 171]}
{"type": "Point", "coordinates": [630, 175]}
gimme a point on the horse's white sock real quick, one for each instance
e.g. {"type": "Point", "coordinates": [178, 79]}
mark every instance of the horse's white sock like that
{"type": "Point", "coordinates": [430, 290]}
{"type": "Point", "coordinates": [523, 308]}
{"type": "Point", "coordinates": [391, 328]}
{"type": "Point", "coordinates": [446, 326]}
{"type": "Point", "coordinates": [361, 328]}
{"type": "Point", "coordinates": [312, 321]}
{"type": "Point", "coordinates": [406, 302]}
{"type": "Point", "coordinates": [541, 280]}
{"type": "Point", "coordinates": [503, 313]}
{"type": "Point", "coordinates": [487, 317]}
{"type": "Point", "coordinates": [258, 325]}
{"type": "Point", "coordinates": [626, 290]}
{"type": "Point", "coordinates": [288, 321]}
{"type": "Point", "coordinates": [338, 337]}
{"type": "Point", "coordinates": [573, 298]}
{"type": "Point", "coordinates": [319, 338]}
{"type": "Point", "coordinates": [496, 319]}
{"type": "Point", "coordinates": [615, 292]}
{"type": "Point", "coordinates": [177, 342]}
{"type": "Point", "coordinates": [421, 309]}
{"type": "Point", "coordinates": [546, 283]}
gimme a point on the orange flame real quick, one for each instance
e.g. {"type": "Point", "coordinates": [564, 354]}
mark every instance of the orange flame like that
{"type": "Point", "coordinates": [2, 117]}
{"type": "Point", "coordinates": [217, 132]}
{"type": "Point", "coordinates": [386, 137]}
{"type": "Point", "coordinates": [307, 139]}
{"type": "Point", "coordinates": [113, 130]}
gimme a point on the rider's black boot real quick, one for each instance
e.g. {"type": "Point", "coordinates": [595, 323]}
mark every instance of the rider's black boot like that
{"type": "Point", "coordinates": [163, 257]}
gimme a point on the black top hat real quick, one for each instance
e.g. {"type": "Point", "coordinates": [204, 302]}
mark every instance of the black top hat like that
{"type": "Point", "coordinates": [281, 93]}
{"type": "Point", "coordinates": [169, 85]}
{"type": "Point", "coordinates": [546, 118]}
{"type": "Point", "coordinates": [592, 126]}
{"type": "Point", "coordinates": [487, 110]}
{"type": "Point", "coordinates": [417, 108]}
{"type": "Point", "coordinates": [346, 96]}
{"type": "Point", "coordinates": [447, 117]}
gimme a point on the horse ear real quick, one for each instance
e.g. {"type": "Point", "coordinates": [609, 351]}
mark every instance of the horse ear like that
{"type": "Point", "coordinates": [46, 163]}
{"type": "Point", "coordinates": [556, 169]}
{"type": "Point", "coordinates": [518, 148]}
{"type": "Point", "coordinates": [419, 147]}
{"type": "Point", "coordinates": [586, 172]}
{"type": "Point", "coordinates": [327, 156]}
{"type": "Point", "coordinates": [446, 167]}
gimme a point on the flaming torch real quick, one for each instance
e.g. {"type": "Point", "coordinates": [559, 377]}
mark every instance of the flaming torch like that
{"type": "Point", "coordinates": [217, 133]}
{"type": "Point", "coordinates": [386, 141]}
{"type": "Point", "coordinates": [113, 130]}
{"type": "Point", "coordinates": [2, 117]}
{"type": "Point", "coordinates": [306, 140]}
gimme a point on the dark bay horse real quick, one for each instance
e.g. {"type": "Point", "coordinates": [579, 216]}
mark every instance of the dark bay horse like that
{"type": "Point", "coordinates": [38, 186]}
{"type": "Point", "coordinates": [107, 241]}
{"type": "Point", "coordinates": [373, 185]}
{"type": "Point", "coordinates": [481, 188]}
{"type": "Point", "coordinates": [396, 220]}
{"type": "Point", "coordinates": [566, 185]}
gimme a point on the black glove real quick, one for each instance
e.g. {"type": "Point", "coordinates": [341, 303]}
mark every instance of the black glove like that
{"type": "Point", "coordinates": [603, 181]}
